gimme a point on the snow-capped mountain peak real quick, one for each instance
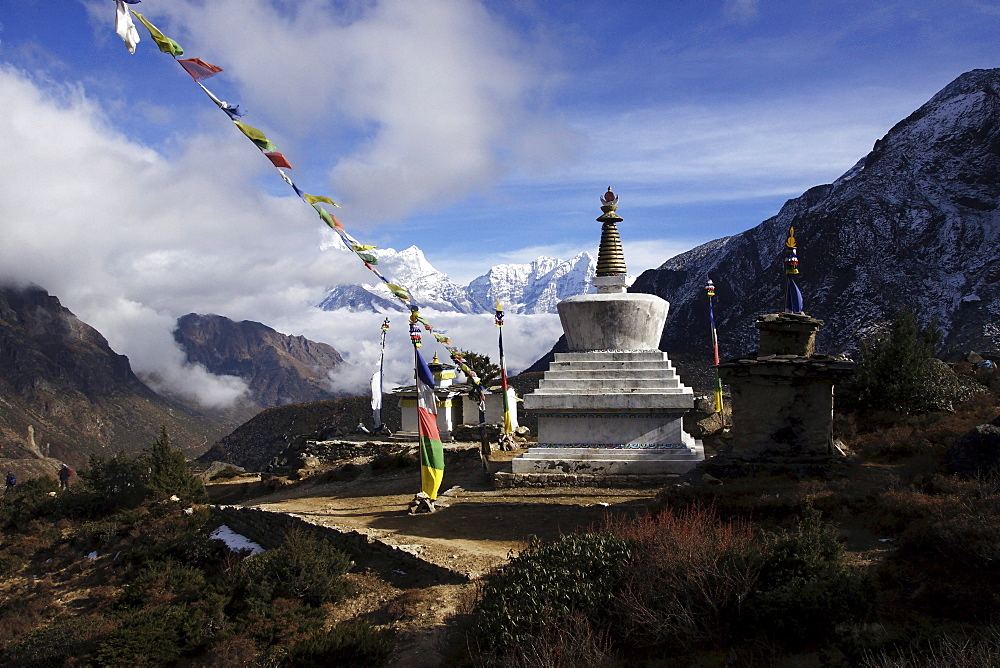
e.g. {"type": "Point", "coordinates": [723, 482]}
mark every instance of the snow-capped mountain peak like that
{"type": "Point", "coordinates": [534, 287]}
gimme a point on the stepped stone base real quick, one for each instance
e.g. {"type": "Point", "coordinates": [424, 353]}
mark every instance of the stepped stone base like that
{"type": "Point", "coordinates": [611, 413]}
{"type": "Point", "coordinates": [503, 480]}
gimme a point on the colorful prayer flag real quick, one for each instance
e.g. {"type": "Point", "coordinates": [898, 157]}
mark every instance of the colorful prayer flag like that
{"type": "Point", "coordinates": [793, 297]}
{"type": "Point", "coordinates": [370, 258]}
{"type": "Point", "coordinates": [315, 199]}
{"type": "Point", "coordinates": [325, 215]}
{"type": "Point", "coordinates": [165, 44]}
{"type": "Point", "coordinates": [277, 159]}
{"type": "Point", "coordinates": [256, 136]}
{"type": "Point", "coordinates": [431, 448]}
{"type": "Point", "coordinates": [398, 290]}
{"type": "Point", "coordinates": [199, 69]}
{"type": "Point", "coordinates": [125, 27]}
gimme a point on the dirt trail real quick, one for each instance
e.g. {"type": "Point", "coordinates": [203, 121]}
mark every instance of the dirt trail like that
{"type": "Point", "coordinates": [477, 531]}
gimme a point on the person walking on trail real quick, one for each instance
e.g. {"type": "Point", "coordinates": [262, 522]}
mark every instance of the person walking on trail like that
{"type": "Point", "coordinates": [64, 473]}
{"type": "Point", "coordinates": [10, 481]}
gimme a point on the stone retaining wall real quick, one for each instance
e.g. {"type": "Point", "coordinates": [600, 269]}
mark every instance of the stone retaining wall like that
{"type": "Point", "coordinates": [397, 566]}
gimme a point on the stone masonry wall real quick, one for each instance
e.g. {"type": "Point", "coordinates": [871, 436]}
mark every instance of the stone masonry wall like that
{"type": "Point", "coordinates": [397, 566]}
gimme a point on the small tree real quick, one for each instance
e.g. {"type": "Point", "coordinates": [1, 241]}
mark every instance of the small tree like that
{"type": "Point", "coordinates": [166, 472]}
{"type": "Point", "coordinates": [487, 371]}
{"type": "Point", "coordinates": [896, 370]}
{"type": "Point", "coordinates": [158, 472]}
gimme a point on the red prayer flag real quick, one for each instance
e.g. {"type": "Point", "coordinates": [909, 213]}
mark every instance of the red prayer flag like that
{"type": "Point", "coordinates": [198, 68]}
{"type": "Point", "coordinates": [337, 225]}
{"type": "Point", "coordinates": [277, 159]}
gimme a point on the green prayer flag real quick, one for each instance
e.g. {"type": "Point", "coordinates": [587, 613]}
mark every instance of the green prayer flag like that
{"type": "Point", "coordinates": [166, 44]}
{"type": "Point", "coordinates": [370, 258]}
{"type": "Point", "coordinates": [325, 215]}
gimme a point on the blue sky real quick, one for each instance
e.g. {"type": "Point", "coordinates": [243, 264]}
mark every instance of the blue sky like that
{"type": "Point", "coordinates": [483, 132]}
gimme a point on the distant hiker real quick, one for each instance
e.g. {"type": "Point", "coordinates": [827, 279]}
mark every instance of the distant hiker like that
{"type": "Point", "coordinates": [11, 480]}
{"type": "Point", "coordinates": [64, 473]}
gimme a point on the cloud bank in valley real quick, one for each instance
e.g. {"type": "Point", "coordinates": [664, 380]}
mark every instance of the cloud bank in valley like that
{"type": "Point", "coordinates": [130, 237]}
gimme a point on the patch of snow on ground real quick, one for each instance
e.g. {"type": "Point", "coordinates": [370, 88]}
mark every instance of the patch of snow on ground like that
{"type": "Point", "coordinates": [235, 541]}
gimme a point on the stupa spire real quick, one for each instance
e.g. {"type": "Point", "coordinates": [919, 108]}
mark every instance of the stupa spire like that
{"type": "Point", "coordinates": [610, 256]}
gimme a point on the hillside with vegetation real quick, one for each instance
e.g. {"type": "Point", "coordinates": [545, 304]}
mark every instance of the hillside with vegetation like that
{"type": "Point", "coordinates": [885, 558]}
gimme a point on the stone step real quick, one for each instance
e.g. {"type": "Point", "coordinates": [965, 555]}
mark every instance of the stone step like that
{"type": "Point", "coordinates": [613, 365]}
{"type": "Point", "coordinates": [612, 355]}
{"type": "Point", "coordinates": [603, 384]}
{"type": "Point", "coordinates": [599, 374]}
{"type": "Point", "coordinates": [608, 460]}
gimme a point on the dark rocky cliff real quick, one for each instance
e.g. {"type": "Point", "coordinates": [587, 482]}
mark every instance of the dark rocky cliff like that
{"type": "Point", "coordinates": [279, 369]}
{"type": "Point", "coordinates": [60, 378]}
{"type": "Point", "coordinates": [913, 225]}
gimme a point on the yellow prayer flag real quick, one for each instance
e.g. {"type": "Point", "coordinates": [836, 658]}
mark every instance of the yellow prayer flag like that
{"type": "Point", "coordinates": [251, 132]}
{"type": "Point", "coordinates": [165, 44]}
{"type": "Point", "coordinates": [314, 199]}
{"type": "Point", "coordinates": [398, 291]}
{"type": "Point", "coordinates": [360, 247]}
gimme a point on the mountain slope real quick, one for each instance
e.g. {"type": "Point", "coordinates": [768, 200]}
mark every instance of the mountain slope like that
{"type": "Point", "coordinates": [66, 394]}
{"type": "Point", "coordinates": [914, 224]}
{"type": "Point", "coordinates": [279, 369]}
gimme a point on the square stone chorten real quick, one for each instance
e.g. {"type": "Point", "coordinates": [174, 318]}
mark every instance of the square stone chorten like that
{"type": "Point", "coordinates": [614, 403]}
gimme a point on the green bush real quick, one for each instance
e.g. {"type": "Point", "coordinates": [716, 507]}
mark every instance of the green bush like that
{"type": "Point", "coordinates": [28, 501]}
{"type": "Point", "coordinates": [153, 637]}
{"type": "Point", "coordinates": [304, 567]}
{"type": "Point", "coordinates": [65, 638]}
{"type": "Point", "coordinates": [159, 472]}
{"type": "Point", "coordinates": [547, 584]}
{"type": "Point", "coordinates": [352, 643]}
{"type": "Point", "coordinates": [166, 473]}
{"type": "Point", "coordinates": [897, 372]}
{"type": "Point", "coordinates": [949, 567]}
{"type": "Point", "coordinates": [804, 588]}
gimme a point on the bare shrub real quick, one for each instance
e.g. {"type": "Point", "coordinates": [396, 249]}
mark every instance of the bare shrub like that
{"type": "Point", "coordinates": [689, 577]}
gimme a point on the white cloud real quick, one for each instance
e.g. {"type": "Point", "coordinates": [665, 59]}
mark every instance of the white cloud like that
{"type": "Point", "coordinates": [526, 339]}
{"type": "Point", "coordinates": [740, 11]}
{"type": "Point", "coordinates": [129, 240]}
{"type": "Point", "coordinates": [693, 153]}
{"type": "Point", "coordinates": [431, 99]}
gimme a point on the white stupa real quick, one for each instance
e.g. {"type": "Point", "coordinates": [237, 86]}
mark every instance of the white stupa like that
{"type": "Point", "coordinates": [613, 404]}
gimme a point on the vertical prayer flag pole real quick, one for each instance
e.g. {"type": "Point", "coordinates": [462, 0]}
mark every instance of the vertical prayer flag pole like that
{"type": "Point", "coordinates": [710, 290]}
{"type": "Point", "coordinates": [377, 381]}
{"type": "Point", "coordinates": [793, 296]}
{"type": "Point", "coordinates": [431, 448]}
{"type": "Point", "coordinates": [508, 429]}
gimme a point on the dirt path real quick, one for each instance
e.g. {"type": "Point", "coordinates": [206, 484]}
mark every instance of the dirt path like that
{"type": "Point", "coordinates": [477, 531]}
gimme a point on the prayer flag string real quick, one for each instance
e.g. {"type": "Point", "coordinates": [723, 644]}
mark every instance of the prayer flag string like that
{"type": "Point", "coordinates": [199, 70]}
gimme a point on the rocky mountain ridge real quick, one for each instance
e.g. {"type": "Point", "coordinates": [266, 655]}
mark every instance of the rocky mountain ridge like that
{"type": "Point", "coordinates": [278, 368]}
{"type": "Point", "coordinates": [914, 224]}
{"type": "Point", "coordinates": [65, 394]}
{"type": "Point", "coordinates": [534, 287]}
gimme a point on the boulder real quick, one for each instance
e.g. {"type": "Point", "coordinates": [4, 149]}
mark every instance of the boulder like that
{"type": "Point", "coordinates": [976, 452]}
